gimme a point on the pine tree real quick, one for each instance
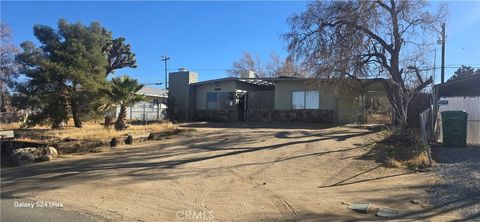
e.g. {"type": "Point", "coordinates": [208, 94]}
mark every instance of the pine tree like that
{"type": "Point", "coordinates": [64, 73]}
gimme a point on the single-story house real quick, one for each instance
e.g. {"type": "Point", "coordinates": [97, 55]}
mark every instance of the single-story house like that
{"type": "Point", "coordinates": [152, 109]}
{"type": "Point", "coordinates": [248, 98]}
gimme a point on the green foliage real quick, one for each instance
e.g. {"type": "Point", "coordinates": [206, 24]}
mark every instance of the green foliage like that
{"type": "Point", "coordinates": [119, 54]}
{"type": "Point", "coordinates": [121, 92]}
{"type": "Point", "coordinates": [464, 72]}
{"type": "Point", "coordinates": [64, 73]}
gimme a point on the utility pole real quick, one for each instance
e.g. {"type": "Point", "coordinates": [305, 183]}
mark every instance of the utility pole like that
{"type": "Point", "coordinates": [443, 54]}
{"type": "Point", "coordinates": [165, 59]}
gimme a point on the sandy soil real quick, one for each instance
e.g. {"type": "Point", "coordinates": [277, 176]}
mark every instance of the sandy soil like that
{"type": "Point", "coordinates": [229, 173]}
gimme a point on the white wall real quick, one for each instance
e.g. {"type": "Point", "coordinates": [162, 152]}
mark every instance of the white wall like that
{"type": "Point", "coordinates": [471, 105]}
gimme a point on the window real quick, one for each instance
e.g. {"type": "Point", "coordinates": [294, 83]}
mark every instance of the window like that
{"type": "Point", "coordinates": [220, 100]}
{"type": "Point", "coordinates": [306, 100]}
{"type": "Point", "coordinates": [298, 100]}
{"type": "Point", "coordinates": [312, 100]}
{"type": "Point", "coordinates": [212, 100]}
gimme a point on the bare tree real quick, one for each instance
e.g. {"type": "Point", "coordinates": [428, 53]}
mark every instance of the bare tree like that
{"type": "Point", "coordinates": [247, 63]}
{"type": "Point", "coordinates": [274, 67]}
{"type": "Point", "coordinates": [383, 41]}
{"type": "Point", "coordinates": [8, 66]}
{"type": "Point", "coordinates": [286, 67]}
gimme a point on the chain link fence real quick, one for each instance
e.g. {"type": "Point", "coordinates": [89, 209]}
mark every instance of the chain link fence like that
{"type": "Point", "coordinates": [426, 132]}
{"type": "Point", "coordinates": [146, 111]}
{"type": "Point", "coordinates": [471, 105]}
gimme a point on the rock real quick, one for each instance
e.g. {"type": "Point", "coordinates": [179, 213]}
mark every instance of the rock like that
{"type": "Point", "coordinates": [114, 142]}
{"type": "Point", "coordinates": [415, 201]}
{"type": "Point", "coordinates": [151, 136]}
{"type": "Point", "coordinates": [129, 140]}
{"type": "Point", "coordinates": [51, 151]}
{"type": "Point", "coordinates": [24, 156]}
{"type": "Point", "coordinates": [45, 157]}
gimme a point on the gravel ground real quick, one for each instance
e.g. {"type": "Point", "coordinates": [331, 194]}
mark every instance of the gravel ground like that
{"type": "Point", "coordinates": [459, 187]}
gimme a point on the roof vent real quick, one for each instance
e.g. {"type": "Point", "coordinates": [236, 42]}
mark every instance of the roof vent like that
{"type": "Point", "coordinates": [182, 69]}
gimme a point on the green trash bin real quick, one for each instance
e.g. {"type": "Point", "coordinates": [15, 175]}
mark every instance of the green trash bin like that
{"type": "Point", "coordinates": [454, 126]}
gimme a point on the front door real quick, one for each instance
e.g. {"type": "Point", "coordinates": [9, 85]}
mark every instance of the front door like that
{"type": "Point", "coordinates": [242, 107]}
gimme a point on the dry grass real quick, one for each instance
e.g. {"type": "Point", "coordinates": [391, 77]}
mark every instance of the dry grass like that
{"type": "Point", "coordinates": [400, 149]}
{"type": "Point", "coordinates": [89, 131]}
{"type": "Point", "coordinates": [9, 126]}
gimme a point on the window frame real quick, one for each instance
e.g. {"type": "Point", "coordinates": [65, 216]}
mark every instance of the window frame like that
{"type": "Point", "coordinates": [298, 91]}
{"type": "Point", "coordinates": [305, 92]}
{"type": "Point", "coordinates": [218, 101]}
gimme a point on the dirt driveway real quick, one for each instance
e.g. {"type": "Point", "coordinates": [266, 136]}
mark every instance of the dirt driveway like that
{"type": "Point", "coordinates": [228, 173]}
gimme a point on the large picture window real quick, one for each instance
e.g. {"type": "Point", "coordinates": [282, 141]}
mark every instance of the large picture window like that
{"type": "Point", "coordinates": [220, 100]}
{"type": "Point", "coordinates": [305, 99]}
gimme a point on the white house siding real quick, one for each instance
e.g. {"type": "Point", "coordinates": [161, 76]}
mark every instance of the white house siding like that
{"type": "Point", "coordinates": [471, 105]}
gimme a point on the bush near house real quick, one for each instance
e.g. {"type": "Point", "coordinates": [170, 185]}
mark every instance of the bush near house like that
{"type": "Point", "coordinates": [400, 148]}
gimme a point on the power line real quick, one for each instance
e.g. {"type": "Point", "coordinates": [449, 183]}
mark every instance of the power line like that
{"type": "Point", "coordinates": [447, 67]}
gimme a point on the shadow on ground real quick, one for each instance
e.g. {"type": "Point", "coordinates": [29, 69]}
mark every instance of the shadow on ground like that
{"type": "Point", "coordinates": [258, 125]}
{"type": "Point", "coordinates": [155, 161]}
{"type": "Point", "coordinates": [450, 155]}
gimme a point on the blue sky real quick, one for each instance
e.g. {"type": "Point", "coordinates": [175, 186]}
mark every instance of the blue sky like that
{"type": "Point", "coordinates": [208, 36]}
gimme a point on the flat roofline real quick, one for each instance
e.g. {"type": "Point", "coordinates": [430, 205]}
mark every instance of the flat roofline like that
{"type": "Point", "coordinates": [247, 79]}
{"type": "Point", "coordinates": [264, 79]}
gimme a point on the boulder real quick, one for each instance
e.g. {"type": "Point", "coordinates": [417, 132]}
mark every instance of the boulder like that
{"type": "Point", "coordinates": [24, 156]}
{"type": "Point", "coordinates": [114, 142]}
{"type": "Point", "coordinates": [129, 140]}
{"type": "Point", "coordinates": [51, 151]}
{"type": "Point", "coordinates": [45, 157]}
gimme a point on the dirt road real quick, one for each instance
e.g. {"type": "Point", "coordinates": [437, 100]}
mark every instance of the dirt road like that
{"type": "Point", "coordinates": [228, 173]}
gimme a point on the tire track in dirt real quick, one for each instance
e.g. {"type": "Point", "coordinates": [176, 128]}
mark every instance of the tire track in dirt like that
{"type": "Point", "coordinates": [282, 205]}
{"type": "Point", "coordinates": [177, 190]}
{"type": "Point", "coordinates": [131, 215]}
{"type": "Point", "coordinates": [189, 195]}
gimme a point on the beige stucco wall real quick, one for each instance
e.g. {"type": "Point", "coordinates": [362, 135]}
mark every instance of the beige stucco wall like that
{"type": "Point", "coordinates": [284, 89]}
{"type": "Point", "coordinates": [348, 101]}
{"type": "Point", "coordinates": [202, 90]}
{"type": "Point", "coordinates": [332, 97]}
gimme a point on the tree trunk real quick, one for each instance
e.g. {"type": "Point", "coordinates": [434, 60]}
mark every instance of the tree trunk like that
{"type": "Point", "coordinates": [75, 114]}
{"type": "Point", "coordinates": [400, 109]}
{"type": "Point", "coordinates": [107, 122]}
{"type": "Point", "coordinates": [121, 124]}
{"type": "Point", "coordinates": [59, 114]}
{"type": "Point", "coordinates": [75, 107]}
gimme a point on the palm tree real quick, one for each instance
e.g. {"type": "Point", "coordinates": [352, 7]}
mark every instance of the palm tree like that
{"type": "Point", "coordinates": [123, 93]}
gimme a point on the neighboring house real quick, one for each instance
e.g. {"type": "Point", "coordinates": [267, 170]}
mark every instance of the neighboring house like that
{"type": "Point", "coordinates": [152, 109]}
{"type": "Point", "coordinates": [271, 99]}
{"type": "Point", "coordinates": [461, 95]}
